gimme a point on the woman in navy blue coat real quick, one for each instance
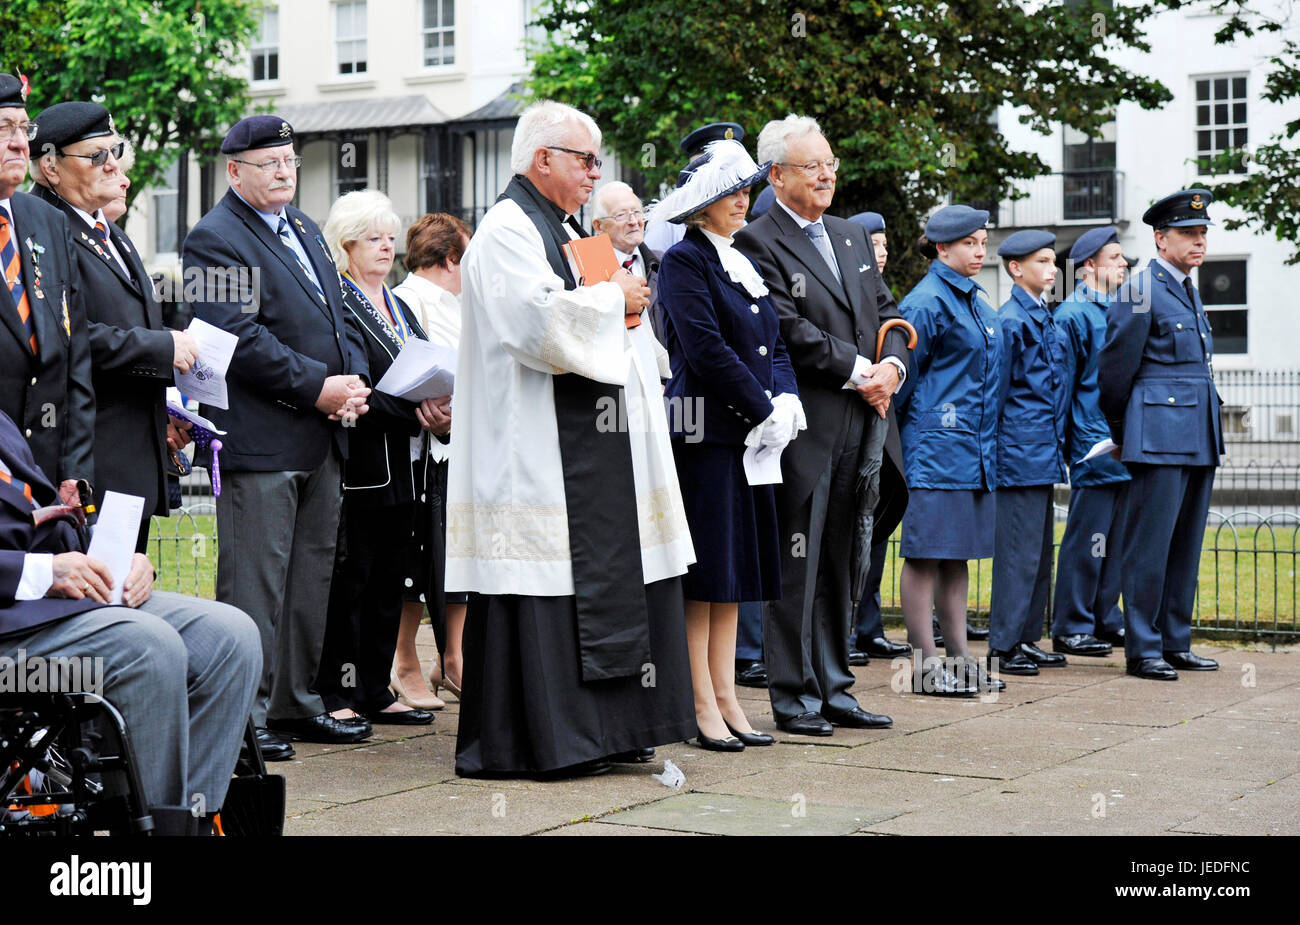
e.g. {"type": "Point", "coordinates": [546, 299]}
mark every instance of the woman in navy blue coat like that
{"type": "Point", "coordinates": [732, 385]}
{"type": "Point", "coordinates": [948, 417]}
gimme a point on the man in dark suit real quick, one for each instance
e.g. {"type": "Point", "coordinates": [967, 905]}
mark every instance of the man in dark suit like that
{"type": "Point", "coordinates": [823, 278]}
{"type": "Point", "coordinates": [1156, 377]}
{"type": "Point", "coordinates": [296, 374]}
{"type": "Point", "coordinates": [132, 355]}
{"type": "Point", "coordinates": [45, 384]}
{"type": "Point", "coordinates": [180, 670]}
{"type": "Point", "coordinates": [618, 213]}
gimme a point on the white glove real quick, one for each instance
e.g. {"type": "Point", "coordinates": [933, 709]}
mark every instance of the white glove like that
{"type": "Point", "coordinates": [778, 428]}
{"type": "Point", "coordinates": [791, 402]}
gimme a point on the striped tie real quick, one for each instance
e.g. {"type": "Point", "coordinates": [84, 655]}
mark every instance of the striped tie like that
{"type": "Point", "coordinates": [7, 476]}
{"type": "Point", "coordinates": [102, 232]}
{"type": "Point", "coordinates": [14, 277]}
{"type": "Point", "coordinates": [284, 232]}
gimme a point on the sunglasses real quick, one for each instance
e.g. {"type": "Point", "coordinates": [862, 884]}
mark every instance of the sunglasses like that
{"type": "Point", "coordinates": [100, 157]}
{"type": "Point", "coordinates": [588, 159]}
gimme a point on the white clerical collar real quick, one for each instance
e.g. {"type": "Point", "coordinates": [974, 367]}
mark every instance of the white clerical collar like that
{"type": "Point", "coordinates": [803, 222]}
{"type": "Point", "coordinates": [1177, 274]}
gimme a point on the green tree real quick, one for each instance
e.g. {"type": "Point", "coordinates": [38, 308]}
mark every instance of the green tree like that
{"type": "Point", "coordinates": [1268, 193]}
{"type": "Point", "coordinates": [907, 93]}
{"type": "Point", "coordinates": [168, 70]}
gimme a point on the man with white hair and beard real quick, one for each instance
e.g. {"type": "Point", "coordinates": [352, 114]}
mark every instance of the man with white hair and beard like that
{"type": "Point", "coordinates": [564, 513]}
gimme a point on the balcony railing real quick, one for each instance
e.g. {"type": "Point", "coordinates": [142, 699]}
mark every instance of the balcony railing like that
{"type": "Point", "coordinates": [1091, 195]}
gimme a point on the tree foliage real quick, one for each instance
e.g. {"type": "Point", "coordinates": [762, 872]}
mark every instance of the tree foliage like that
{"type": "Point", "coordinates": [1269, 193]}
{"type": "Point", "coordinates": [907, 93]}
{"type": "Point", "coordinates": [168, 70]}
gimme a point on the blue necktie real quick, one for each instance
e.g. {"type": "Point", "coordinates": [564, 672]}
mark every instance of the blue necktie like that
{"type": "Point", "coordinates": [823, 245]}
{"type": "Point", "coordinates": [284, 232]}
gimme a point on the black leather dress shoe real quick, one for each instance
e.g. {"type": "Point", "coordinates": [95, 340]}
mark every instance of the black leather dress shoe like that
{"type": "Point", "coordinates": [635, 756]}
{"type": "Point", "coordinates": [751, 738]}
{"type": "Point", "coordinates": [805, 724]}
{"type": "Point", "coordinates": [1153, 669]}
{"type": "Point", "coordinates": [1013, 662]}
{"type": "Point", "coordinates": [858, 718]}
{"type": "Point", "coordinates": [1084, 644]}
{"type": "Point", "coordinates": [321, 728]}
{"type": "Point", "coordinates": [880, 647]}
{"type": "Point", "coordinates": [858, 657]}
{"type": "Point", "coordinates": [750, 673]}
{"type": "Point", "coordinates": [1042, 659]}
{"type": "Point", "coordinates": [977, 633]}
{"type": "Point", "coordinates": [937, 681]}
{"type": "Point", "coordinates": [412, 717]}
{"type": "Point", "coordinates": [1115, 638]}
{"type": "Point", "coordinates": [729, 744]}
{"type": "Point", "coordinates": [976, 674]}
{"type": "Point", "coordinates": [272, 747]}
{"type": "Point", "coordinates": [1190, 661]}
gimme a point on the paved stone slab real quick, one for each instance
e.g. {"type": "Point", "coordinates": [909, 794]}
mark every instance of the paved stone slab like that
{"type": "Point", "coordinates": [1013, 726]}
{"type": "Point", "coordinates": [842, 784]}
{"type": "Point", "coordinates": [601, 829]}
{"type": "Point", "coordinates": [948, 751]}
{"type": "Point", "coordinates": [1281, 706]}
{"type": "Point", "coordinates": [349, 775]}
{"type": "Point", "coordinates": [1229, 749]}
{"type": "Point", "coordinates": [723, 814]}
{"type": "Point", "coordinates": [1273, 809]}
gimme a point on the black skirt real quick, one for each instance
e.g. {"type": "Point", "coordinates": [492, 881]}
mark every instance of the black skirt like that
{"type": "Point", "coordinates": [524, 707]}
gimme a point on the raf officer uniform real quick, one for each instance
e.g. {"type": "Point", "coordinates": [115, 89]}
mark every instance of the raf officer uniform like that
{"type": "Point", "coordinates": [1031, 459]}
{"type": "Point", "coordinates": [131, 352]}
{"type": "Point", "coordinates": [1086, 601]}
{"type": "Point", "coordinates": [1157, 392]}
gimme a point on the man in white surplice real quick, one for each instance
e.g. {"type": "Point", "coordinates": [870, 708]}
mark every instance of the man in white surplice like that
{"type": "Point", "coordinates": [524, 330]}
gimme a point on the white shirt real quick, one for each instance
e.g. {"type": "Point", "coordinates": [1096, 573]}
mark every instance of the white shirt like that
{"type": "Point", "coordinates": [90, 220]}
{"type": "Point", "coordinates": [507, 525]}
{"type": "Point", "coordinates": [638, 265]}
{"type": "Point", "coordinates": [439, 314]}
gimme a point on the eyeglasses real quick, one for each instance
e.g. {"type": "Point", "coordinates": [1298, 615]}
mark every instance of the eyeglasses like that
{"type": "Point", "coordinates": [813, 168]}
{"type": "Point", "coordinates": [270, 165]}
{"type": "Point", "coordinates": [588, 159]}
{"type": "Point", "coordinates": [626, 215]}
{"type": "Point", "coordinates": [100, 157]}
{"type": "Point", "coordinates": [10, 129]}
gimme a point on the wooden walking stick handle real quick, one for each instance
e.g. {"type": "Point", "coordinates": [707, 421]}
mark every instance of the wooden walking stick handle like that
{"type": "Point", "coordinates": [884, 329]}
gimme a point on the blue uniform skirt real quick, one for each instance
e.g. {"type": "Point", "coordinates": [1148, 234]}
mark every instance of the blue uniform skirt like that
{"type": "Point", "coordinates": [949, 523]}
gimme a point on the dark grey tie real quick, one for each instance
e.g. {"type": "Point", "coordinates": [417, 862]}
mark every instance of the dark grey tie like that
{"type": "Point", "coordinates": [823, 244]}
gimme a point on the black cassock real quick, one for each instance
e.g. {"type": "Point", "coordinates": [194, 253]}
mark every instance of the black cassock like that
{"type": "Point", "coordinates": [551, 682]}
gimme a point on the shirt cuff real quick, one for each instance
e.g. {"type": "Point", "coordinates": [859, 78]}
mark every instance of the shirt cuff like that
{"type": "Point", "coordinates": [861, 370]}
{"type": "Point", "coordinates": [37, 577]}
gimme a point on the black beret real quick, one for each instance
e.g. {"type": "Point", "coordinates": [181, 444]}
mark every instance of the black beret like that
{"type": "Point", "coordinates": [13, 92]}
{"type": "Point", "coordinates": [257, 132]}
{"type": "Point", "coordinates": [1023, 243]}
{"type": "Point", "coordinates": [67, 123]}
{"type": "Point", "coordinates": [694, 143]}
{"type": "Point", "coordinates": [1184, 208]}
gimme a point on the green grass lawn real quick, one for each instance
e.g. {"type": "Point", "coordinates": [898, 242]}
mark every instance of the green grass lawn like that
{"type": "Point", "coordinates": [1248, 576]}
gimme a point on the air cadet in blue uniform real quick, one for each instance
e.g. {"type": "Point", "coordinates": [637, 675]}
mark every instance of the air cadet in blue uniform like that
{"type": "Point", "coordinates": [1157, 392]}
{"type": "Point", "coordinates": [1086, 616]}
{"type": "Point", "coordinates": [948, 415]}
{"type": "Point", "coordinates": [1030, 455]}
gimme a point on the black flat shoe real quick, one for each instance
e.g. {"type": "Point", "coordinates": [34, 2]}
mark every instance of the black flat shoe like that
{"type": "Point", "coordinates": [1189, 661]}
{"type": "Point", "coordinates": [321, 728]}
{"type": "Point", "coordinates": [1115, 638]}
{"type": "Point", "coordinates": [858, 657]}
{"type": "Point", "coordinates": [977, 633]}
{"type": "Point", "coordinates": [585, 769]}
{"type": "Point", "coordinates": [1153, 669]}
{"type": "Point", "coordinates": [751, 738]}
{"type": "Point", "coordinates": [729, 744]}
{"type": "Point", "coordinates": [880, 647]}
{"type": "Point", "coordinates": [411, 717]}
{"type": "Point", "coordinates": [751, 673]}
{"type": "Point", "coordinates": [272, 747]}
{"type": "Point", "coordinates": [1042, 659]}
{"type": "Point", "coordinates": [973, 670]}
{"type": "Point", "coordinates": [1013, 662]}
{"type": "Point", "coordinates": [1084, 644]}
{"type": "Point", "coordinates": [635, 756]}
{"type": "Point", "coordinates": [937, 681]}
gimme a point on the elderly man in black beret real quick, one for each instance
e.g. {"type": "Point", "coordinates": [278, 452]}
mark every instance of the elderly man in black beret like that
{"type": "Point", "coordinates": [75, 169]}
{"type": "Point", "coordinates": [44, 353]}
{"type": "Point", "coordinates": [295, 382]}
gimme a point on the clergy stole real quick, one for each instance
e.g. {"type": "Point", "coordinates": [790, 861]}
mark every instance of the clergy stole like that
{"type": "Point", "coordinates": [599, 493]}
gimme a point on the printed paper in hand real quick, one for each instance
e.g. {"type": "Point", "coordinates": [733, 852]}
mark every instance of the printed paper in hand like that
{"type": "Point", "coordinates": [1103, 447]}
{"type": "Point", "coordinates": [206, 379]}
{"type": "Point", "coordinates": [115, 533]}
{"type": "Point", "coordinates": [422, 370]}
{"type": "Point", "coordinates": [763, 465]}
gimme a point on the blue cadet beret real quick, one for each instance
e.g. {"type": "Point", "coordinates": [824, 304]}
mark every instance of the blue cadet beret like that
{"type": "Point", "coordinates": [873, 222]}
{"type": "Point", "coordinates": [13, 92]}
{"type": "Point", "coordinates": [1184, 208]}
{"type": "Point", "coordinates": [694, 143]}
{"type": "Point", "coordinates": [67, 123]}
{"type": "Point", "coordinates": [762, 202]}
{"type": "Point", "coordinates": [1091, 241]}
{"type": "Point", "coordinates": [1023, 243]}
{"type": "Point", "coordinates": [952, 223]}
{"type": "Point", "coordinates": [257, 132]}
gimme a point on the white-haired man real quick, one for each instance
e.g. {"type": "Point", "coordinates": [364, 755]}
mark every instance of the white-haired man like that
{"type": "Point", "coordinates": [618, 213]}
{"type": "Point", "coordinates": [563, 510]}
{"type": "Point", "coordinates": [822, 275]}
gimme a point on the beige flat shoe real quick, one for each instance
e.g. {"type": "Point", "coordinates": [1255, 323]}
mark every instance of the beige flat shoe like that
{"type": "Point", "coordinates": [430, 702]}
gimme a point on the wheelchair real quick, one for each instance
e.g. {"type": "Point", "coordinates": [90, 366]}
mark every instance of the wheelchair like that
{"type": "Point", "coordinates": [67, 768]}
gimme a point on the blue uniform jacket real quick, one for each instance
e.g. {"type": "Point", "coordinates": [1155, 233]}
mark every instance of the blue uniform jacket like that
{"type": "Point", "coordinates": [1081, 321]}
{"type": "Point", "coordinates": [1035, 395]}
{"type": "Point", "coordinates": [948, 407]}
{"type": "Point", "coordinates": [1155, 374]}
{"type": "Point", "coordinates": [724, 345]}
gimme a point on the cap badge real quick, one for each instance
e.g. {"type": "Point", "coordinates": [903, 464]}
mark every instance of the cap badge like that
{"type": "Point", "coordinates": [284, 129]}
{"type": "Point", "coordinates": [26, 85]}
{"type": "Point", "coordinates": [1196, 202]}
{"type": "Point", "coordinates": [729, 134]}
